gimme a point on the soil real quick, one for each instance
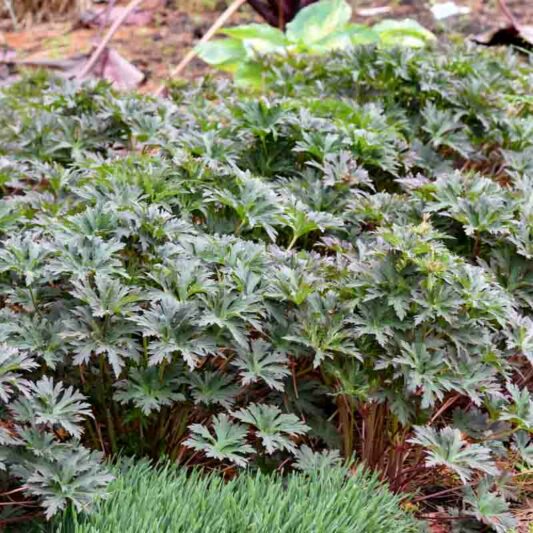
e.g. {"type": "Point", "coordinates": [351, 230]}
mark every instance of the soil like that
{"type": "Point", "coordinates": [155, 47]}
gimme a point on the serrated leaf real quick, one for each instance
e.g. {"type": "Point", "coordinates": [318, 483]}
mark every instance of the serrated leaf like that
{"type": "Point", "coordinates": [227, 442]}
{"type": "Point", "coordinates": [272, 426]}
{"type": "Point", "coordinates": [52, 404]}
{"type": "Point", "coordinates": [261, 362]}
{"type": "Point", "coordinates": [212, 388]}
{"type": "Point", "coordinates": [447, 448]}
{"type": "Point", "coordinates": [148, 390]}
{"type": "Point", "coordinates": [489, 508]}
{"type": "Point", "coordinates": [308, 460]}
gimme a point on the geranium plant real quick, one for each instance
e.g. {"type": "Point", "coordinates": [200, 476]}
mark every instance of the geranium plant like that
{"type": "Point", "coordinates": [340, 266]}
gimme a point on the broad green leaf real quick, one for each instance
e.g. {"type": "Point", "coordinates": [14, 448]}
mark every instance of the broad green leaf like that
{"type": "Point", "coordinates": [259, 37]}
{"type": "Point", "coordinates": [406, 32]}
{"type": "Point", "coordinates": [317, 21]}
{"type": "Point", "coordinates": [360, 34]}
{"type": "Point", "coordinates": [353, 35]}
{"type": "Point", "coordinates": [249, 74]}
{"type": "Point", "coordinates": [226, 54]}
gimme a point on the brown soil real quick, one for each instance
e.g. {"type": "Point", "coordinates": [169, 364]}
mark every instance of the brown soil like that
{"type": "Point", "coordinates": [154, 48]}
{"type": "Point", "coordinates": [158, 46]}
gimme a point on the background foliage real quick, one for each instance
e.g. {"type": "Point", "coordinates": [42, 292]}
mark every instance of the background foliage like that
{"type": "Point", "coordinates": [343, 262]}
{"type": "Point", "coordinates": [318, 28]}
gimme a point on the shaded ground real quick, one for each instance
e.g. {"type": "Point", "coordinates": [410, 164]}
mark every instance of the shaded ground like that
{"type": "Point", "coordinates": [156, 47]}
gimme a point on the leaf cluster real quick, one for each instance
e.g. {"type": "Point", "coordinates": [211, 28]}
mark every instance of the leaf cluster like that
{"type": "Point", "coordinates": [342, 263]}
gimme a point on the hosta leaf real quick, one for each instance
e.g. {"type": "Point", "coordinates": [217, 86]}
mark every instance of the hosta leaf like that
{"type": "Point", "coordinates": [318, 20]}
{"type": "Point", "coordinates": [405, 32]}
{"type": "Point", "coordinates": [225, 53]}
{"type": "Point", "coordinates": [249, 74]}
{"type": "Point", "coordinates": [354, 34]}
{"type": "Point", "coordinates": [259, 37]}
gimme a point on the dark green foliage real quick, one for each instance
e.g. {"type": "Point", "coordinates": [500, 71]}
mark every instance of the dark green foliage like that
{"type": "Point", "coordinates": [343, 261]}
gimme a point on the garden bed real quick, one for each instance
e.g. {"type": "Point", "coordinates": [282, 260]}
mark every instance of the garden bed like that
{"type": "Point", "coordinates": [341, 264]}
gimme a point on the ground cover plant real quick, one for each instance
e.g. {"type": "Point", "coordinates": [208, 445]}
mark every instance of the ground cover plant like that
{"type": "Point", "coordinates": [343, 262]}
{"type": "Point", "coordinates": [325, 500]}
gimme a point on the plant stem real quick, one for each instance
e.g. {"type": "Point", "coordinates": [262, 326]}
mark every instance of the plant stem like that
{"type": "Point", "coordinates": [477, 245]}
{"type": "Point", "coordinates": [111, 431]}
{"type": "Point", "coordinates": [293, 242]}
{"type": "Point", "coordinates": [34, 301]}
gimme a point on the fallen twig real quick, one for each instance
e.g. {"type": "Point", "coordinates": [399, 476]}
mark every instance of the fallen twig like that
{"type": "Point", "coordinates": [219, 22]}
{"type": "Point", "coordinates": [107, 37]}
{"type": "Point", "coordinates": [12, 15]}
{"type": "Point", "coordinates": [507, 12]}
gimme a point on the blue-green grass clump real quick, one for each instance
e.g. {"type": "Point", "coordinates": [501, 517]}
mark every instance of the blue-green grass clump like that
{"type": "Point", "coordinates": [145, 499]}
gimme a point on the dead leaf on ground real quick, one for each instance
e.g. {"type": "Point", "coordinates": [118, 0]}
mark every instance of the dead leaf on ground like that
{"type": "Point", "coordinates": [110, 66]}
